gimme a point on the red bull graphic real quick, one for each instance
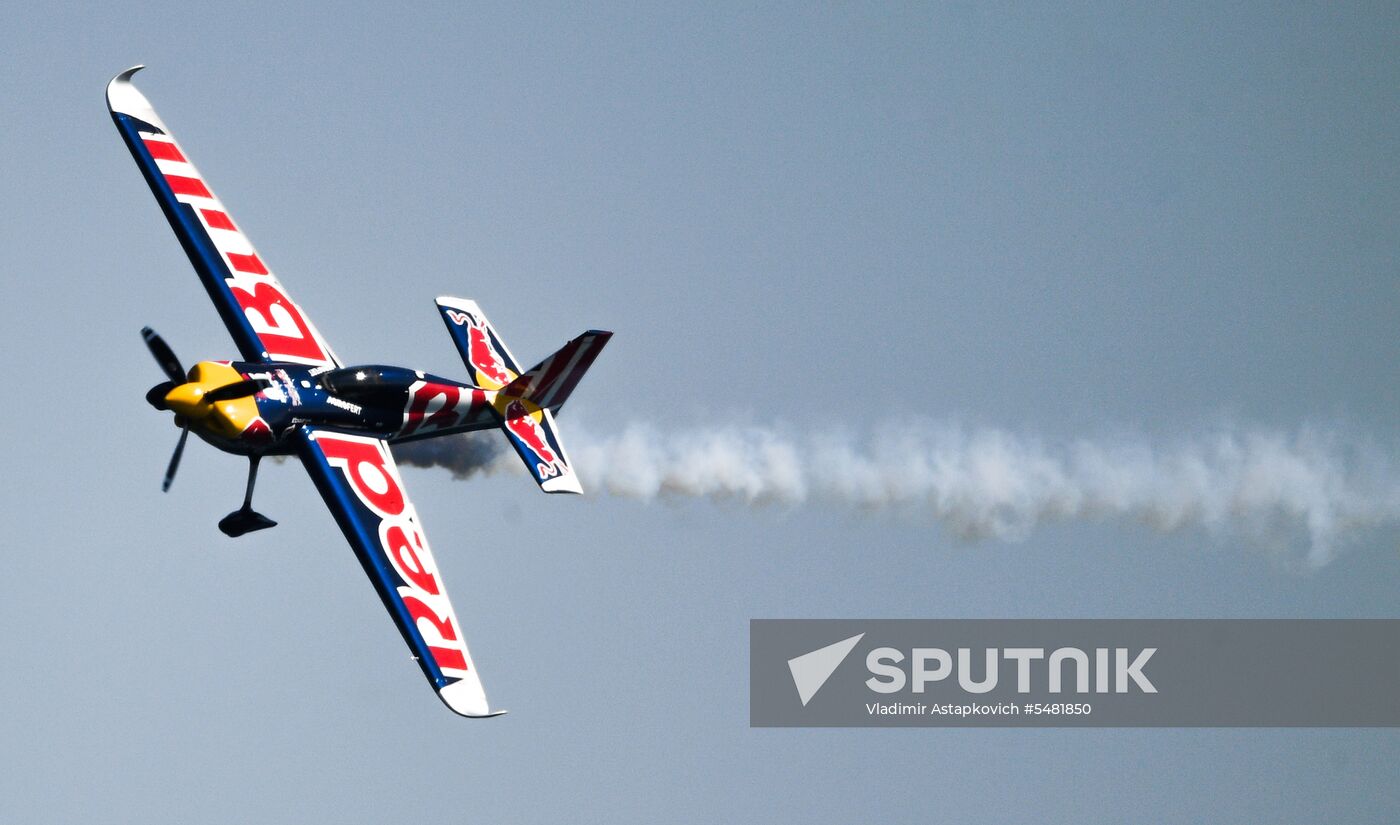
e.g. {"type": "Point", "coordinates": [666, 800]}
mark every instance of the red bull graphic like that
{"type": "Point", "coordinates": [521, 402]}
{"type": "Point", "coordinates": [484, 358]}
{"type": "Point", "coordinates": [523, 425]}
{"type": "Point", "coordinates": [491, 364]}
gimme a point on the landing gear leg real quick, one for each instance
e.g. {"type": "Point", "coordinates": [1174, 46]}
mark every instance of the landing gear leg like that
{"type": "Point", "coordinates": [246, 519]}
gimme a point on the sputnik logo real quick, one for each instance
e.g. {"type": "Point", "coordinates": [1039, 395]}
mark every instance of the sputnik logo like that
{"type": "Point", "coordinates": [811, 670]}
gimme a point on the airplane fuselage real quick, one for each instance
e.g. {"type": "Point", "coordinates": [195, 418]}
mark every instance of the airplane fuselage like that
{"type": "Point", "coordinates": [394, 403]}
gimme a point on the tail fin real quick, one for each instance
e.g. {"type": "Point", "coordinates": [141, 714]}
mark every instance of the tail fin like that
{"type": "Point", "coordinates": [550, 382]}
{"type": "Point", "coordinates": [524, 400]}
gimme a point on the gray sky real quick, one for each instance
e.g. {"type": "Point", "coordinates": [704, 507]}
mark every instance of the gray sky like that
{"type": "Point", "coordinates": [1067, 223]}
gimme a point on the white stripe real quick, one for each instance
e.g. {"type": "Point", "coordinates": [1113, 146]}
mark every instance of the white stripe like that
{"type": "Point", "coordinates": [236, 242]}
{"type": "Point", "coordinates": [177, 167]}
{"type": "Point", "coordinates": [564, 376]}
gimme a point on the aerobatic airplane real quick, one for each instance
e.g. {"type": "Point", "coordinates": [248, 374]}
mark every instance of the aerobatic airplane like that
{"type": "Point", "coordinates": [290, 395]}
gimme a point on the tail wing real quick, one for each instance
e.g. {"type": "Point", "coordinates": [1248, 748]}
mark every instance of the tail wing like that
{"type": "Point", "coordinates": [485, 354]}
{"type": "Point", "coordinates": [535, 437]}
{"type": "Point", "coordinates": [524, 401]}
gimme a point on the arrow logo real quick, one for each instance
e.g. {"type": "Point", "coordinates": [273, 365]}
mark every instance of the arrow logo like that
{"type": "Point", "coordinates": [811, 670]}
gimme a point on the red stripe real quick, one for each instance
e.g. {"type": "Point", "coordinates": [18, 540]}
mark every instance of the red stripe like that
{"type": "Point", "coordinates": [566, 388]}
{"type": "Point", "coordinates": [218, 220]}
{"type": "Point", "coordinates": [187, 186]}
{"type": "Point", "coordinates": [247, 263]}
{"type": "Point", "coordinates": [448, 658]}
{"type": "Point", "coordinates": [559, 360]}
{"type": "Point", "coordinates": [160, 150]}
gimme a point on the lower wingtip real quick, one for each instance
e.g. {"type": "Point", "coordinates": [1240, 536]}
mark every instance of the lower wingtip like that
{"type": "Point", "coordinates": [465, 697]}
{"type": "Point", "coordinates": [566, 483]}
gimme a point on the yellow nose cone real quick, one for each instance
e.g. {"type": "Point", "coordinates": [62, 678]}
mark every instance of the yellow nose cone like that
{"type": "Point", "coordinates": [226, 418]}
{"type": "Point", "coordinates": [188, 400]}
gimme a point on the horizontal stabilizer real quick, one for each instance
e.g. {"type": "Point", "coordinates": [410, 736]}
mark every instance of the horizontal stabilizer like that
{"type": "Point", "coordinates": [534, 435]}
{"type": "Point", "coordinates": [485, 354]}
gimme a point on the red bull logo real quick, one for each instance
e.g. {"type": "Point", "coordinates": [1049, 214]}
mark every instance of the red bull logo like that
{"type": "Point", "coordinates": [523, 425]}
{"type": "Point", "coordinates": [490, 367]}
{"type": "Point", "coordinates": [484, 358]}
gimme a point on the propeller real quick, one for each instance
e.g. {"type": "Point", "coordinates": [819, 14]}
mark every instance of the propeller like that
{"type": "Point", "coordinates": [164, 355]}
{"type": "Point", "coordinates": [175, 459]}
{"type": "Point", "coordinates": [169, 364]}
{"type": "Point", "coordinates": [187, 403]}
{"type": "Point", "coordinates": [155, 396]}
{"type": "Point", "coordinates": [242, 389]}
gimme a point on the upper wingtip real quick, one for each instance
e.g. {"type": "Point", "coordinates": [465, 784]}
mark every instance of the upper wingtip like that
{"type": "Point", "coordinates": [122, 79]}
{"type": "Point", "coordinates": [124, 97]}
{"type": "Point", "coordinates": [453, 302]}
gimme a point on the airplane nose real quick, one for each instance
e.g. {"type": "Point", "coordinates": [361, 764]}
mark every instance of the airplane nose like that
{"type": "Point", "coordinates": [186, 400]}
{"type": "Point", "coordinates": [216, 400]}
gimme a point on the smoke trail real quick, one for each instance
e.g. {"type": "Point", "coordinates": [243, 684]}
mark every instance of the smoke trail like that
{"type": "Point", "coordinates": [1309, 490]}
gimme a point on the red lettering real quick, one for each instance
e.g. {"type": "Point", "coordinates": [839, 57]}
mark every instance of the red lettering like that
{"type": "Point", "coordinates": [444, 416]}
{"type": "Point", "coordinates": [446, 657]}
{"type": "Point", "coordinates": [364, 465]}
{"type": "Point", "coordinates": [278, 323]}
{"type": "Point", "coordinates": [406, 560]}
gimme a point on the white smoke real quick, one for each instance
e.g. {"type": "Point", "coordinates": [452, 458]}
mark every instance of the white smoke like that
{"type": "Point", "coordinates": [1305, 492]}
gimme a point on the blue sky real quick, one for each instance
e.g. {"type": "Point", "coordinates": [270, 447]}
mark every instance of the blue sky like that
{"type": "Point", "coordinates": [1086, 222]}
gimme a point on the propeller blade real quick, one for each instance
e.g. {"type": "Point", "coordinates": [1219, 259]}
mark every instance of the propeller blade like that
{"type": "Point", "coordinates": [155, 396]}
{"type": "Point", "coordinates": [175, 460]}
{"type": "Point", "coordinates": [164, 355]}
{"type": "Point", "coordinates": [252, 386]}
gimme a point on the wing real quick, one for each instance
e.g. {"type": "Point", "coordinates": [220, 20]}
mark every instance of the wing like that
{"type": "Point", "coordinates": [361, 485]}
{"type": "Point", "coordinates": [265, 323]}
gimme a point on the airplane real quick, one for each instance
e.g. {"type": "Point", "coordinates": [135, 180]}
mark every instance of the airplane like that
{"type": "Point", "coordinates": [290, 395]}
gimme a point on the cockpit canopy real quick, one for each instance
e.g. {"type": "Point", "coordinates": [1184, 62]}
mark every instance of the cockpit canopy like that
{"type": "Point", "coordinates": [371, 380]}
